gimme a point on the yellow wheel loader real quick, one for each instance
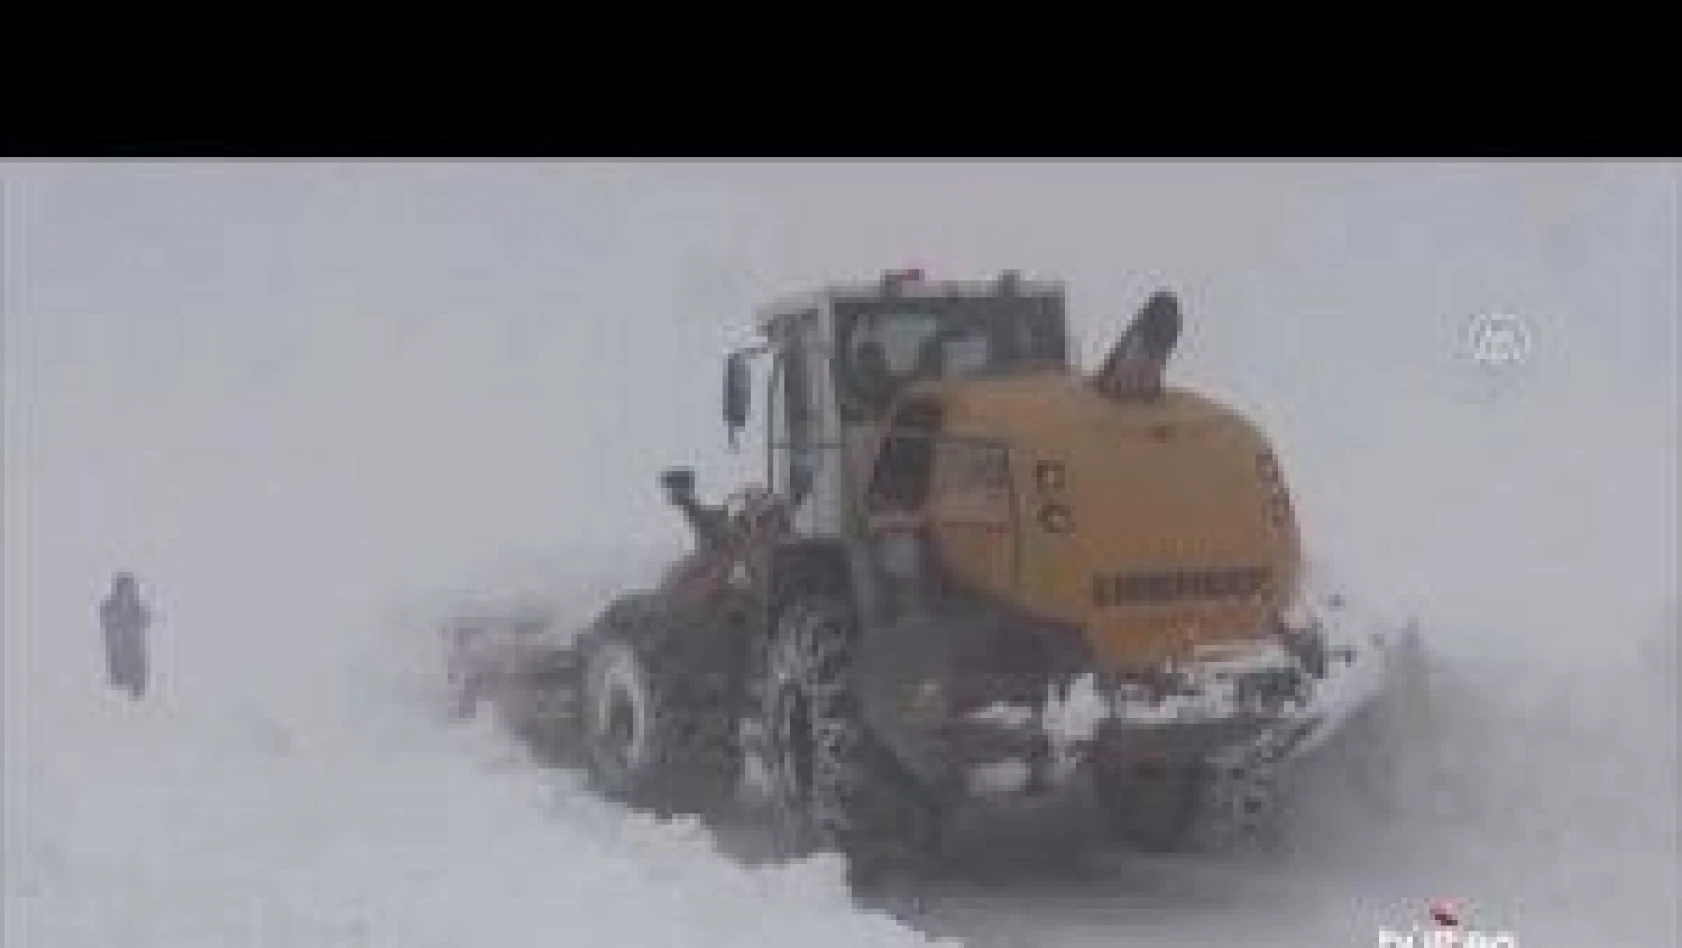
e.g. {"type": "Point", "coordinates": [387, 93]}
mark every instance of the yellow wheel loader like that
{"type": "Point", "coordinates": [972, 572]}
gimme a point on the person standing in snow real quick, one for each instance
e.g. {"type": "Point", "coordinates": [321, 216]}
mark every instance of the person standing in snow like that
{"type": "Point", "coordinates": [124, 619]}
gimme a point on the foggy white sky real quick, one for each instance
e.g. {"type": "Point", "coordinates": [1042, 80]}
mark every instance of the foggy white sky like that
{"type": "Point", "coordinates": [337, 375]}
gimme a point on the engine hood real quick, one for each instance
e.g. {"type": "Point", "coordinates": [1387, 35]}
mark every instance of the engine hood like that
{"type": "Point", "coordinates": [1157, 526]}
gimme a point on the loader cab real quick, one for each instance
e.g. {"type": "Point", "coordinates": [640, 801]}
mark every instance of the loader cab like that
{"type": "Point", "coordinates": [842, 357]}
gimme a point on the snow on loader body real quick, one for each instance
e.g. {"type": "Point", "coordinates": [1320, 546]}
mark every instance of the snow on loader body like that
{"type": "Point", "coordinates": [973, 572]}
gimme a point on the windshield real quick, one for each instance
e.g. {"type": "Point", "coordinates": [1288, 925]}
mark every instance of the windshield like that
{"type": "Point", "coordinates": [900, 337]}
{"type": "Point", "coordinates": [887, 343]}
{"type": "Point", "coordinates": [917, 344]}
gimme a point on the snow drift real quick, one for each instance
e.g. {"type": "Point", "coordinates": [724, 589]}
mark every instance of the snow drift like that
{"type": "Point", "coordinates": [280, 802]}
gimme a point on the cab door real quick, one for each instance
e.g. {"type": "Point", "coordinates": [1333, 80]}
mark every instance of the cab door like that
{"type": "Point", "coordinates": [806, 462]}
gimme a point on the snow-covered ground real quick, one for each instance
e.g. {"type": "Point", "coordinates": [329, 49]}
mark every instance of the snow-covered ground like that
{"type": "Point", "coordinates": [306, 402]}
{"type": "Point", "coordinates": [266, 800]}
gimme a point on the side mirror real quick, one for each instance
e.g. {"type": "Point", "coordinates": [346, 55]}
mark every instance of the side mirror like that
{"type": "Point", "coordinates": [738, 392]}
{"type": "Point", "coordinates": [679, 483]}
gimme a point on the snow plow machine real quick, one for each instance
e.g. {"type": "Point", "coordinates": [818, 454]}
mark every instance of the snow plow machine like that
{"type": "Point", "coordinates": [973, 572]}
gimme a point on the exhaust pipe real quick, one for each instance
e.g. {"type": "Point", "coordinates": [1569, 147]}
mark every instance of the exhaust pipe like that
{"type": "Point", "coordinates": [1134, 368]}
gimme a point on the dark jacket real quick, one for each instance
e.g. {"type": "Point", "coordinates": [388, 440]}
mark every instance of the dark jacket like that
{"type": "Point", "coordinates": [124, 612]}
{"type": "Point", "coordinates": [124, 619]}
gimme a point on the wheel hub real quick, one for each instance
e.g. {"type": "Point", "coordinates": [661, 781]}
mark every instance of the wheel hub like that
{"type": "Point", "coordinates": [618, 707]}
{"type": "Point", "coordinates": [619, 728]}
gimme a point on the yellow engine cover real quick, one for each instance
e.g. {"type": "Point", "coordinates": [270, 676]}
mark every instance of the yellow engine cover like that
{"type": "Point", "coordinates": [1154, 526]}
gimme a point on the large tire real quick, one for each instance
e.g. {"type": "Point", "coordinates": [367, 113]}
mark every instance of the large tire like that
{"type": "Point", "coordinates": [655, 733]}
{"type": "Point", "coordinates": [1154, 811]}
{"type": "Point", "coordinates": [1213, 806]}
{"type": "Point", "coordinates": [833, 785]}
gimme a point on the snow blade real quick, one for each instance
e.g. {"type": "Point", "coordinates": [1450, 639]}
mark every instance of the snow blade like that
{"type": "Point", "coordinates": [515, 661]}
